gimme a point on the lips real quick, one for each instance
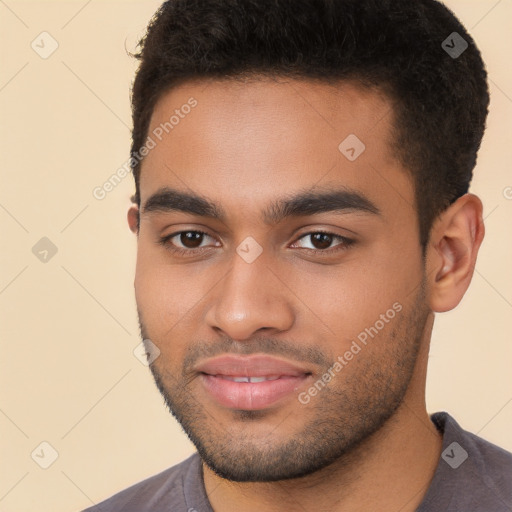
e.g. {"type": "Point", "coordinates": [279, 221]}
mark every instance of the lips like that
{"type": "Point", "coordinates": [248, 379]}
{"type": "Point", "coordinates": [250, 383]}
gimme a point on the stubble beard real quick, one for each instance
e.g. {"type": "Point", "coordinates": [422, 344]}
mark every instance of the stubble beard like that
{"type": "Point", "coordinates": [338, 420]}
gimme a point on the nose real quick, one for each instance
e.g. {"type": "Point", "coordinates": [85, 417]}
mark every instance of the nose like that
{"type": "Point", "coordinates": [248, 300]}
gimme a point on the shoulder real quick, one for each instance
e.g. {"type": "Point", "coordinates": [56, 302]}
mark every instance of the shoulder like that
{"type": "Point", "coordinates": [164, 490]}
{"type": "Point", "coordinates": [472, 474]}
{"type": "Point", "coordinates": [493, 465]}
{"type": "Point", "coordinates": [488, 458]}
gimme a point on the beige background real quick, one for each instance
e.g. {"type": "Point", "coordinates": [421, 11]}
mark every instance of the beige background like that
{"type": "Point", "coordinates": [69, 328]}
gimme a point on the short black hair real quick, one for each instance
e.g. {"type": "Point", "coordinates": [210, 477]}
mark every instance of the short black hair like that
{"type": "Point", "coordinates": [402, 47]}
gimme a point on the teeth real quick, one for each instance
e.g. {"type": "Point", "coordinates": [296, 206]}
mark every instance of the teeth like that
{"type": "Point", "coordinates": [261, 379]}
{"type": "Point", "coordinates": [249, 379]}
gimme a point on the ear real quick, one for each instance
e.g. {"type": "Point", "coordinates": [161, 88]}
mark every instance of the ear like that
{"type": "Point", "coordinates": [133, 218]}
{"type": "Point", "coordinates": [452, 251]}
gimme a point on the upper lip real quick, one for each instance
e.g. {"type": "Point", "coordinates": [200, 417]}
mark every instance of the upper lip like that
{"type": "Point", "coordinates": [250, 366]}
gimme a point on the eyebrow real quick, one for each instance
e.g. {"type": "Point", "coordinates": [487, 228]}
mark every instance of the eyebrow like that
{"type": "Point", "coordinates": [303, 203]}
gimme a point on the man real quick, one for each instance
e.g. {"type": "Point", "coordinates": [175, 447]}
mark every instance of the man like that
{"type": "Point", "coordinates": [302, 212]}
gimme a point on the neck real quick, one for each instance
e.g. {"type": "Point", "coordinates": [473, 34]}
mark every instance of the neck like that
{"type": "Point", "coordinates": [391, 470]}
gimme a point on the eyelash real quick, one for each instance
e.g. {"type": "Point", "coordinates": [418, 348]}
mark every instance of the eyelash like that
{"type": "Point", "coordinates": [179, 251]}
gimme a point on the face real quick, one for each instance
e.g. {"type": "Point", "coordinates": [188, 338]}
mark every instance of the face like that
{"type": "Point", "coordinates": [279, 273]}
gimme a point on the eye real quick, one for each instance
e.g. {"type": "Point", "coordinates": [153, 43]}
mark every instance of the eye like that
{"type": "Point", "coordinates": [189, 243]}
{"type": "Point", "coordinates": [321, 241]}
{"type": "Point", "coordinates": [184, 242]}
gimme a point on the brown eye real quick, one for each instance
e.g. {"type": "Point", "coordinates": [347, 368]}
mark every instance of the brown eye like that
{"type": "Point", "coordinates": [187, 243]}
{"type": "Point", "coordinates": [191, 239]}
{"type": "Point", "coordinates": [321, 240]}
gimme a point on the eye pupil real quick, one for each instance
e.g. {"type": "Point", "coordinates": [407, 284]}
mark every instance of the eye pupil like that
{"type": "Point", "coordinates": [191, 239]}
{"type": "Point", "coordinates": [321, 240]}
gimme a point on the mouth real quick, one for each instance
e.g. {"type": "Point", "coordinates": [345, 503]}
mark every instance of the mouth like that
{"type": "Point", "coordinates": [250, 383]}
{"type": "Point", "coordinates": [248, 379]}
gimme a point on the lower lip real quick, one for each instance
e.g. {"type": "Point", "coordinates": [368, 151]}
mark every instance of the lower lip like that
{"type": "Point", "coordinates": [250, 396]}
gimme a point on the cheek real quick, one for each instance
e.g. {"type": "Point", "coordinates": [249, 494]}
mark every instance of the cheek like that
{"type": "Point", "coordinates": [346, 299]}
{"type": "Point", "coordinates": [165, 295]}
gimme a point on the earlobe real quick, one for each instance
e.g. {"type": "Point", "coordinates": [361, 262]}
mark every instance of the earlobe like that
{"type": "Point", "coordinates": [451, 256]}
{"type": "Point", "coordinates": [133, 219]}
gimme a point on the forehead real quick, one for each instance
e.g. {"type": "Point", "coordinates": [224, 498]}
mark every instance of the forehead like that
{"type": "Point", "coordinates": [252, 141]}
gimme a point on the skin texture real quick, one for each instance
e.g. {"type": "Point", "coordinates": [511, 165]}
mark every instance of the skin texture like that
{"type": "Point", "coordinates": [364, 441]}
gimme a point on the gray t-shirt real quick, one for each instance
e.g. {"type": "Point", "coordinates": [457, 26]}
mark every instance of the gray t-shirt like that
{"type": "Point", "coordinates": [472, 475]}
